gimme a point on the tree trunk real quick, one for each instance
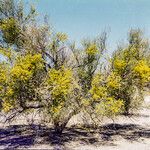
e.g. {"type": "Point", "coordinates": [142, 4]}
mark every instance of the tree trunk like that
{"type": "Point", "coordinates": [127, 106]}
{"type": "Point", "coordinates": [60, 126]}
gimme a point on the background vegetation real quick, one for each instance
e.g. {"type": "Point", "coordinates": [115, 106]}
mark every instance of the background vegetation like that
{"type": "Point", "coordinates": [40, 69]}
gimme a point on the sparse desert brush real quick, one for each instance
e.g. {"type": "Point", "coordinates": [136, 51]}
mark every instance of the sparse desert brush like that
{"type": "Point", "coordinates": [40, 70]}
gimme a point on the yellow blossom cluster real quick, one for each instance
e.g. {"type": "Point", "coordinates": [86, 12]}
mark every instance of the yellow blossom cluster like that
{"type": "Point", "coordinates": [142, 71]}
{"type": "Point", "coordinates": [92, 49]}
{"type": "Point", "coordinates": [25, 67]}
{"type": "Point", "coordinates": [114, 81]}
{"type": "Point", "coordinates": [60, 81]}
{"type": "Point", "coordinates": [100, 92]}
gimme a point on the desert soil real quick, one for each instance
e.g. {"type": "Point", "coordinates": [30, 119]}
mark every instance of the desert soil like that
{"type": "Point", "coordinates": [124, 133]}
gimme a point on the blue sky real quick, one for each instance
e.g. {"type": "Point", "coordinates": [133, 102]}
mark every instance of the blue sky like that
{"type": "Point", "coordinates": [87, 18]}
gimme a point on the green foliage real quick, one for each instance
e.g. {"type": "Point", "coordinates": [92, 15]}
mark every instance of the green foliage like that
{"type": "Point", "coordinates": [103, 101]}
{"type": "Point", "coordinates": [88, 59]}
{"type": "Point", "coordinates": [42, 72]}
{"type": "Point", "coordinates": [98, 89]}
{"type": "Point", "coordinates": [133, 69]}
{"type": "Point", "coordinates": [15, 20]}
{"type": "Point", "coordinates": [3, 78]}
{"type": "Point", "coordinates": [92, 50]}
{"type": "Point", "coordinates": [7, 53]}
{"type": "Point", "coordinates": [22, 81]}
{"type": "Point", "coordinates": [4, 72]}
{"type": "Point", "coordinates": [27, 67]}
{"type": "Point", "coordinates": [10, 30]}
{"type": "Point", "coordinates": [61, 103]}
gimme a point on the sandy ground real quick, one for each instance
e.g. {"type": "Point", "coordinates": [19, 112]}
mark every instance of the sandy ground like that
{"type": "Point", "coordinates": [125, 133]}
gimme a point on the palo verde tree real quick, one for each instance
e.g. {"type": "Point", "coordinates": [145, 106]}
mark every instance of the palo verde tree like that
{"type": "Point", "coordinates": [40, 71]}
{"type": "Point", "coordinates": [88, 59]}
{"type": "Point", "coordinates": [35, 68]}
{"type": "Point", "coordinates": [95, 84]}
{"type": "Point", "coordinates": [131, 65]}
{"type": "Point", "coordinates": [14, 22]}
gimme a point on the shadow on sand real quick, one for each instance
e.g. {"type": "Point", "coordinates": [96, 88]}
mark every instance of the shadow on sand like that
{"type": "Point", "coordinates": [25, 136]}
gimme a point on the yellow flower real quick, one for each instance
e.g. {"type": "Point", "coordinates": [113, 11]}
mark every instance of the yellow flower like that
{"type": "Point", "coordinates": [25, 67]}
{"type": "Point", "coordinates": [92, 49]}
{"type": "Point", "coordinates": [119, 64]}
{"type": "Point", "coordinates": [142, 70]}
{"type": "Point", "coordinates": [113, 81]}
{"type": "Point", "coordinates": [98, 91]}
{"type": "Point", "coordinates": [61, 82]}
{"type": "Point", "coordinates": [7, 106]}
